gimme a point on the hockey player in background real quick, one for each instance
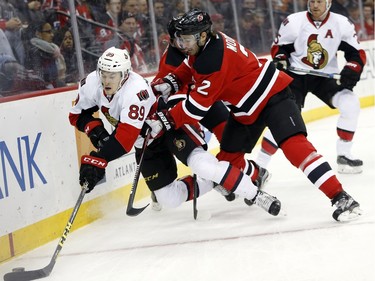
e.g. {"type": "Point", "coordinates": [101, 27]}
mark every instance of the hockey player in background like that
{"type": "Point", "coordinates": [126, 99]}
{"type": "Point", "coordinates": [310, 40]}
{"type": "Point", "coordinates": [257, 95]}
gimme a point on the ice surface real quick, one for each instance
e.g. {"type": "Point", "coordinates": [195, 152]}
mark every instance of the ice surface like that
{"type": "Point", "coordinates": [238, 243]}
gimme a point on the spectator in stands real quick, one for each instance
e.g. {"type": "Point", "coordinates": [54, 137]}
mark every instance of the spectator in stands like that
{"type": "Point", "coordinates": [11, 24]}
{"type": "Point", "coordinates": [107, 36]}
{"type": "Point", "coordinates": [14, 78]}
{"type": "Point", "coordinates": [127, 29]}
{"type": "Point", "coordinates": [178, 8]}
{"type": "Point", "coordinates": [33, 12]}
{"type": "Point", "coordinates": [64, 39]}
{"type": "Point", "coordinates": [44, 57]}
{"type": "Point", "coordinates": [225, 8]}
{"type": "Point", "coordinates": [5, 48]}
{"type": "Point", "coordinates": [130, 6]}
{"type": "Point", "coordinates": [160, 17]}
{"type": "Point", "coordinates": [245, 29]}
{"type": "Point", "coordinates": [339, 7]}
{"type": "Point", "coordinates": [144, 36]}
{"type": "Point", "coordinates": [368, 14]}
{"type": "Point", "coordinates": [218, 23]}
{"type": "Point", "coordinates": [260, 33]}
{"type": "Point", "coordinates": [354, 16]}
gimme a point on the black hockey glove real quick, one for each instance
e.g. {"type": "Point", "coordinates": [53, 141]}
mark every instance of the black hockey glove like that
{"type": "Point", "coordinates": [166, 86]}
{"type": "Point", "coordinates": [92, 170]}
{"type": "Point", "coordinates": [350, 75]}
{"type": "Point", "coordinates": [166, 120]}
{"type": "Point", "coordinates": [97, 133]}
{"type": "Point", "coordinates": [281, 62]}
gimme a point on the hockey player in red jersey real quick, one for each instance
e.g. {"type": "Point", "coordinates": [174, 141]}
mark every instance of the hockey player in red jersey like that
{"type": "Point", "coordinates": [257, 95]}
{"type": "Point", "coordinates": [216, 117]}
{"type": "Point", "coordinates": [310, 40]}
{"type": "Point", "coordinates": [126, 99]}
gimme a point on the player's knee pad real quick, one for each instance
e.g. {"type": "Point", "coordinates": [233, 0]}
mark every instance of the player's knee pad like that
{"type": "Point", "coordinates": [347, 103]}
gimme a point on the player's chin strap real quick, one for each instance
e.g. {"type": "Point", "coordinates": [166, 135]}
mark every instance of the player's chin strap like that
{"type": "Point", "coordinates": [323, 16]}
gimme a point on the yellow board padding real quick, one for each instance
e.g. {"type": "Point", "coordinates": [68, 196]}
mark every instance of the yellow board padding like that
{"type": "Point", "coordinates": [38, 234]}
{"type": "Point", "coordinates": [4, 248]}
{"type": "Point", "coordinates": [44, 231]}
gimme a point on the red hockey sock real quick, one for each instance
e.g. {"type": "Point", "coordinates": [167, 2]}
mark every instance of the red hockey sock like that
{"type": "Point", "coordinates": [236, 159]}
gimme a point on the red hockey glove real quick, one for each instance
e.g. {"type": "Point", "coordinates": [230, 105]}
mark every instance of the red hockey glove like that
{"type": "Point", "coordinates": [97, 133]}
{"type": "Point", "coordinates": [92, 170]}
{"type": "Point", "coordinates": [350, 75]}
{"type": "Point", "coordinates": [281, 62]}
{"type": "Point", "coordinates": [166, 86]}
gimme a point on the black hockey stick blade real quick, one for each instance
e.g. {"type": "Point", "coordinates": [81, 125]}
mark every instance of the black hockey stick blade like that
{"type": "Point", "coordinates": [29, 275]}
{"type": "Point", "coordinates": [131, 210]}
{"type": "Point", "coordinates": [45, 271]}
{"type": "Point", "coordinates": [195, 195]}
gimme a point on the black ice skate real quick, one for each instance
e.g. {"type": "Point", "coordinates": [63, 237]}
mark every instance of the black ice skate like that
{"type": "Point", "coordinates": [263, 177]}
{"type": "Point", "coordinates": [347, 208]}
{"type": "Point", "coordinates": [156, 206]}
{"type": "Point", "coordinates": [346, 165]}
{"type": "Point", "coordinates": [267, 202]}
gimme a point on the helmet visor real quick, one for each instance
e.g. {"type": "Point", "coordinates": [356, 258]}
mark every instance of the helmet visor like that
{"type": "Point", "coordinates": [186, 41]}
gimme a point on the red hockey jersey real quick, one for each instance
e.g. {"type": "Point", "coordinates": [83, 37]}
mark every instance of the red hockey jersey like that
{"type": "Point", "coordinates": [225, 70]}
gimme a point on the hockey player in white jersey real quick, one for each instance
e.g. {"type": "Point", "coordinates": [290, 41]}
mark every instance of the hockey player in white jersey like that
{"type": "Point", "coordinates": [310, 40]}
{"type": "Point", "coordinates": [129, 105]}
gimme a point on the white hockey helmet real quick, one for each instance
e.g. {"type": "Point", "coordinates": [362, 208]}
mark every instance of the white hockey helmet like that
{"type": "Point", "coordinates": [115, 60]}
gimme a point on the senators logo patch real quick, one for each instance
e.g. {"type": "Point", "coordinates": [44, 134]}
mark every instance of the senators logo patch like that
{"type": "Point", "coordinates": [180, 144]}
{"type": "Point", "coordinates": [143, 95]}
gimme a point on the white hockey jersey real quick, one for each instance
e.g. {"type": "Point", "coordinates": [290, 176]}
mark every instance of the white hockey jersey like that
{"type": "Point", "coordinates": [127, 110]}
{"type": "Point", "coordinates": [315, 44]}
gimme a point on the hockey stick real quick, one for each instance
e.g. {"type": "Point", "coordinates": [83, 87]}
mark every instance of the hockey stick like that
{"type": "Point", "coordinates": [195, 195]}
{"type": "Point", "coordinates": [18, 274]}
{"type": "Point", "coordinates": [130, 210]}
{"type": "Point", "coordinates": [316, 73]}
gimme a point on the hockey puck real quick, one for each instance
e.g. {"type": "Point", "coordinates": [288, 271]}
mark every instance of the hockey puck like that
{"type": "Point", "coordinates": [18, 269]}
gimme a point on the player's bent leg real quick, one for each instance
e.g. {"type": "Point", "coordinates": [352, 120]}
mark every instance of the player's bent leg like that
{"type": "Point", "coordinates": [348, 105]}
{"type": "Point", "coordinates": [232, 179]}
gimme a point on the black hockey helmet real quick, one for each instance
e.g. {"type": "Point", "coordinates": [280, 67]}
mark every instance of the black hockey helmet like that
{"type": "Point", "coordinates": [194, 22]}
{"type": "Point", "coordinates": [171, 27]}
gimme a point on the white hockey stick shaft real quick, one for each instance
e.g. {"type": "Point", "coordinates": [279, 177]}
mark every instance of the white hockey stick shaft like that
{"type": "Point", "coordinates": [316, 73]}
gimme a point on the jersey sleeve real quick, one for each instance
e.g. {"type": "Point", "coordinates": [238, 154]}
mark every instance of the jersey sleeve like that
{"type": "Point", "coordinates": [350, 44]}
{"type": "Point", "coordinates": [85, 104]}
{"type": "Point", "coordinates": [285, 38]}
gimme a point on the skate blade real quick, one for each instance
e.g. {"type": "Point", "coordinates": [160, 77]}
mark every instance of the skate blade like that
{"type": "Point", "coordinates": [350, 215]}
{"type": "Point", "coordinates": [345, 169]}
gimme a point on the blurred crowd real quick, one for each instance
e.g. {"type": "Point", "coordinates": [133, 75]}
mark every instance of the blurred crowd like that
{"type": "Point", "coordinates": [37, 46]}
